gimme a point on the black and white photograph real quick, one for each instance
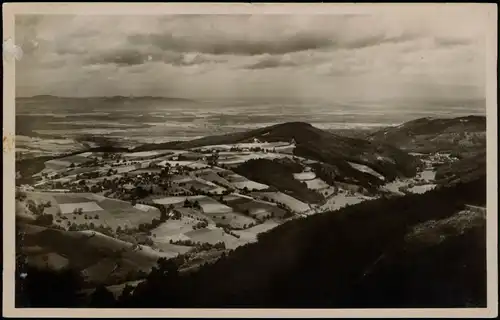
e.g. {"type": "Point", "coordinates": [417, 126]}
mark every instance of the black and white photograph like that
{"type": "Point", "coordinates": [250, 159]}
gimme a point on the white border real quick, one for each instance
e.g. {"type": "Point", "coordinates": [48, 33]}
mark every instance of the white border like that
{"type": "Point", "coordinates": [490, 16]}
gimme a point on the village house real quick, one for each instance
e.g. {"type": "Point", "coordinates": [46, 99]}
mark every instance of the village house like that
{"type": "Point", "coordinates": [25, 187]}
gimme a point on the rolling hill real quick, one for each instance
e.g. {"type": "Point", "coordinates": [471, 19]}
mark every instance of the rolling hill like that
{"type": "Point", "coordinates": [279, 174]}
{"type": "Point", "coordinates": [466, 169]}
{"type": "Point", "coordinates": [277, 185]}
{"type": "Point", "coordinates": [102, 259]}
{"type": "Point", "coordinates": [463, 135]}
{"type": "Point", "coordinates": [316, 144]}
{"type": "Point", "coordinates": [416, 251]}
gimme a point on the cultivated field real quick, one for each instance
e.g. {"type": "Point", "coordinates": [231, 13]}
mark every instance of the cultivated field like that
{"type": "Point", "coordinates": [366, 169]}
{"type": "Point", "coordinates": [279, 197]}
{"type": "Point", "coordinates": [99, 257]}
{"type": "Point", "coordinates": [250, 234]}
{"type": "Point", "coordinates": [255, 208]}
{"type": "Point", "coordinates": [98, 210]}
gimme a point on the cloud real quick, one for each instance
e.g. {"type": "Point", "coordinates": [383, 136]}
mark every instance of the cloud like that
{"type": "Point", "coordinates": [239, 44]}
{"type": "Point", "coordinates": [269, 61]}
{"type": "Point", "coordinates": [231, 45]}
{"type": "Point", "coordinates": [121, 57]}
{"type": "Point", "coordinates": [452, 41]}
{"type": "Point", "coordinates": [137, 56]}
{"type": "Point", "coordinates": [230, 55]}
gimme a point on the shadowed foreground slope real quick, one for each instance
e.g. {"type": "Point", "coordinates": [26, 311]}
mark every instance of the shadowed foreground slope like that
{"type": "Point", "coordinates": [414, 251]}
{"type": "Point", "coordinates": [361, 256]}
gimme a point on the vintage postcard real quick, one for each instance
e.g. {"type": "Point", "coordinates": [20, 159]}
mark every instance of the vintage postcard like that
{"type": "Point", "coordinates": [250, 160]}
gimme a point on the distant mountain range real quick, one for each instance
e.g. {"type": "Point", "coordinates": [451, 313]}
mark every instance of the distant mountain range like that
{"type": "Point", "coordinates": [116, 98]}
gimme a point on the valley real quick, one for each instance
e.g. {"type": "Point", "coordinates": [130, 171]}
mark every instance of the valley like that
{"type": "Point", "coordinates": [283, 160]}
{"type": "Point", "coordinates": [199, 200]}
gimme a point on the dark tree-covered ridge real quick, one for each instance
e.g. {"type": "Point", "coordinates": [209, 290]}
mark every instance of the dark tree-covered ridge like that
{"type": "Point", "coordinates": [356, 257]}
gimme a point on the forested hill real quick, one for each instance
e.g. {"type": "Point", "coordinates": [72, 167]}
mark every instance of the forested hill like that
{"type": "Point", "coordinates": [413, 251]}
{"type": "Point", "coordinates": [314, 143]}
{"type": "Point", "coordinates": [424, 250]}
{"type": "Point", "coordinates": [462, 135]}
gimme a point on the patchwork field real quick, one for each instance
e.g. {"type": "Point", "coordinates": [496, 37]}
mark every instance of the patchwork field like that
{"type": "Point", "coordinates": [250, 185]}
{"type": "Point", "coordinates": [79, 170]}
{"type": "Point", "coordinates": [96, 209]}
{"type": "Point", "coordinates": [145, 171]}
{"type": "Point", "coordinates": [147, 154]}
{"type": "Point", "coordinates": [423, 182]}
{"type": "Point", "coordinates": [341, 200]}
{"type": "Point", "coordinates": [213, 177]}
{"type": "Point", "coordinates": [84, 206]}
{"type": "Point", "coordinates": [197, 184]}
{"type": "Point", "coordinates": [180, 178]}
{"type": "Point", "coordinates": [395, 186]}
{"type": "Point", "coordinates": [230, 158]}
{"type": "Point", "coordinates": [241, 146]}
{"type": "Point", "coordinates": [313, 182]}
{"type": "Point", "coordinates": [76, 159]}
{"type": "Point", "coordinates": [232, 219]}
{"type": "Point", "coordinates": [257, 208]}
{"type": "Point", "coordinates": [214, 236]}
{"type": "Point", "coordinates": [182, 163]}
{"type": "Point", "coordinates": [99, 257]}
{"type": "Point", "coordinates": [427, 175]}
{"type": "Point", "coordinates": [250, 234]}
{"type": "Point", "coordinates": [306, 175]}
{"type": "Point", "coordinates": [240, 182]}
{"type": "Point", "coordinates": [180, 199]}
{"type": "Point", "coordinates": [279, 197]}
{"type": "Point", "coordinates": [366, 169]}
{"type": "Point", "coordinates": [172, 229]}
{"type": "Point", "coordinates": [124, 169]}
{"type": "Point", "coordinates": [317, 184]}
{"type": "Point", "coordinates": [422, 188]}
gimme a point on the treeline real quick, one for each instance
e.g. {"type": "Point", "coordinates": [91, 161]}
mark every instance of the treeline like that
{"type": "Point", "coordinates": [343, 172]}
{"type": "Point", "coordinates": [465, 169]}
{"type": "Point", "coordinates": [314, 262]}
{"type": "Point", "coordinates": [30, 166]}
{"type": "Point", "coordinates": [279, 174]}
{"type": "Point", "coordinates": [330, 260]}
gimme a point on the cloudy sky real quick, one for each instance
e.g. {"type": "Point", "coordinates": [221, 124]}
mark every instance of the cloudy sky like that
{"type": "Point", "coordinates": [328, 57]}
